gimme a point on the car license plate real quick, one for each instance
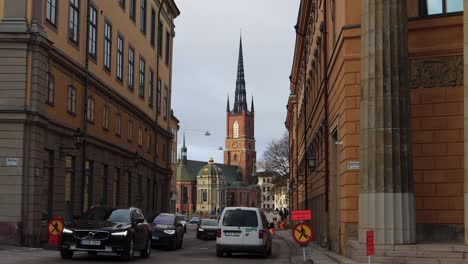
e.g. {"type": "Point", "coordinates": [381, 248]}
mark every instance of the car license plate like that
{"type": "Point", "coordinates": [156, 238]}
{"type": "Point", "coordinates": [234, 234]}
{"type": "Point", "coordinates": [91, 242]}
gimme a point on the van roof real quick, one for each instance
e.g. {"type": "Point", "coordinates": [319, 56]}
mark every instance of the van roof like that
{"type": "Point", "coordinates": [242, 208]}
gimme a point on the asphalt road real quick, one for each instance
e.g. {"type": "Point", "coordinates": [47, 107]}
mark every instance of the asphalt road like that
{"type": "Point", "coordinates": [193, 251]}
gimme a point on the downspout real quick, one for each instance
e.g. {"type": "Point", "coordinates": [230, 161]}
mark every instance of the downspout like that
{"type": "Point", "coordinates": [326, 123]}
{"type": "Point", "coordinates": [157, 102]}
{"type": "Point", "coordinates": [85, 120]}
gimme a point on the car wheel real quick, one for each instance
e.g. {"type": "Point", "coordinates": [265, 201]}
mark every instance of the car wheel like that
{"type": "Point", "coordinates": [179, 243]}
{"type": "Point", "coordinates": [173, 244]}
{"type": "Point", "coordinates": [147, 251]}
{"type": "Point", "coordinates": [198, 235]}
{"type": "Point", "coordinates": [219, 252]}
{"type": "Point", "coordinates": [185, 229]}
{"type": "Point", "coordinates": [130, 252]}
{"type": "Point", "coordinates": [66, 254]}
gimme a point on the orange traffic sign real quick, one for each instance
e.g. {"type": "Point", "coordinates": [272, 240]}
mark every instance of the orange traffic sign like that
{"type": "Point", "coordinates": [301, 215]}
{"type": "Point", "coordinates": [55, 227]}
{"type": "Point", "coordinates": [302, 233]}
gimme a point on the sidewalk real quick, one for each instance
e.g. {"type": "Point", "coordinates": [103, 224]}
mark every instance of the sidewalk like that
{"type": "Point", "coordinates": [313, 252]}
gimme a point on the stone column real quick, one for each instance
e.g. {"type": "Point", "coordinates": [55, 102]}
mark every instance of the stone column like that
{"type": "Point", "coordinates": [465, 72]}
{"type": "Point", "coordinates": [386, 199]}
{"type": "Point", "coordinates": [14, 16]}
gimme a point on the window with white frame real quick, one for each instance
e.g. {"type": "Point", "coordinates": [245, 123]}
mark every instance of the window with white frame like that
{"type": "Point", "coordinates": [236, 130]}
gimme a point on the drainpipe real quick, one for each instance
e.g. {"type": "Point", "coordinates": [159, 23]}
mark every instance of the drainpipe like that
{"type": "Point", "coordinates": [161, 3]}
{"type": "Point", "coordinates": [326, 123]}
{"type": "Point", "coordinates": [85, 120]}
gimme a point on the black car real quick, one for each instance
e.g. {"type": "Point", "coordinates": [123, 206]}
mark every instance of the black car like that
{"type": "Point", "coordinates": [108, 230]}
{"type": "Point", "coordinates": [168, 230]}
{"type": "Point", "coordinates": [207, 229]}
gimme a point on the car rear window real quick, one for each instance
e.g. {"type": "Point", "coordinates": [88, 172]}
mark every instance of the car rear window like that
{"type": "Point", "coordinates": [164, 220]}
{"type": "Point", "coordinates": [182, 218]}
{"type": "Point", "coordinates": [246, 218]}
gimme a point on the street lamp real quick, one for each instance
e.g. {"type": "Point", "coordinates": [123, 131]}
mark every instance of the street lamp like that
{"type": "Point", "coordinates": [78, 138]}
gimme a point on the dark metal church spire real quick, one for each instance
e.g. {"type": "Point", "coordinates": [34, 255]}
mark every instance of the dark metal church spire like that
{"type": "Point", "coordinates": [240, 101]}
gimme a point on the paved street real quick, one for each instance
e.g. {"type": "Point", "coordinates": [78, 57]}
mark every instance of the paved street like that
{"type": "Point", "coordinates": [193, 251]}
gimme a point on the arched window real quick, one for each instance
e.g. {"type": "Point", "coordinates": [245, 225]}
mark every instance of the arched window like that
{"type": "Point", "coordinates": [204, 196]}
{"type": "Point", "coordinates": [236, 130]}
{"type": "Point", "coordinates": [185, 195]}
{"type": "Point", "coordinates": [235, 157]}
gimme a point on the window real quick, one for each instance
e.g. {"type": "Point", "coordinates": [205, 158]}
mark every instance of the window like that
{"type": "Point", "coordinates": [105, 117]}
{"type": "Point", "coordinates": [143, 16]}
{"type": "Point", "coordinates": [158, 96]}
{"type": "Point", "coordinates": [167, 47]}
{"type": "Point", "coordinates": [93, 18]}
{"type": "Point", "coordinates": [160, 36]}
{"type": "Point", "coordinates": [140, 137]}
{"type": "Point", "coordinates": [133, 9]}
{"type": "Point", "coordinates": [141, 88]}
{"type": "Point", "coordinates": [107, 45]}
{"type": "Point", "coordinates": [87, 188]}
{"type": "Point", "coordinates": [204, 196]}
{"type": "Point", "coordinates": [153, 27]}
{"type": "Point", "coordinates": [120, 58]}
{"type": "Point", "coordinates": [129, 188]}
{"type": "Point", "coordinates": [118, 125]}
{"type": "Point", "coordinates": [435, 7]}
{"type": "Point", "coordinates": [148, 143]}
{"type": "Point", "coordinates": [105, 180]}
{"type": "Point", "coordinates": [130, 130]}
{"type": "Point", "coordinates": [50, 89]}
{"type": "Point", "coordinates": [150, 89]}
{"type": "Point", "coordinates": [131, 67]}
{"type": "Point", "coordinates": [164, 152]}
{"type": "Point", "coordinates": [51, 12]}
{"type": "Point", "coordinates": [116, 188]}
{"type": "Point", "coordinates": [90, 109]}
{"type": "Point", "coordinates": [235, 157]}
{"type": "Point", "coordinates": [185, 195]}
{"type": "Point", "coordinates": [122, 3]}
{"type": "Point", "coordinates": [236, 130]}
{"type": "Point", "coordinates": [69, 177]}
{"type": "Point", "coordinates": [240, 218]}
{"type": "Point", "coordinates": [71, 100]}
{"type": "Point", "coordinates": [165, 102]}
{"type": "Point", "coordinates": [74, 23]}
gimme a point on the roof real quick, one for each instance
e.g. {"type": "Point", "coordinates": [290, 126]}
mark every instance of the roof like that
{"type": "Point", "coordinates": [189, 171]}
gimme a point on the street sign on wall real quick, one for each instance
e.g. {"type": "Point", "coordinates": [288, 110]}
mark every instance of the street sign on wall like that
{"type": "Point", "coordinates": [301, 215]}
{"type": "Point", "coordinates": [354, 165]}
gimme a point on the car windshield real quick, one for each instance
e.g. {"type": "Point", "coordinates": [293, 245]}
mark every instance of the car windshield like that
{"type": "Point", "coordinates": [245, 218]}
{"type": "Point", "coordinates": [209, 222]}
{"type": "Point", "coordinates": [101, 214]}
{"type": "Point", "coordinates": [164, 220]}
{"type": "Point", "coordinates": [182, 218]}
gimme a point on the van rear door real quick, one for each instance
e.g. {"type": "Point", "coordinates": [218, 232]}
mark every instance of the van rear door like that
{"type": "Point", "coordinates": [239, 227]}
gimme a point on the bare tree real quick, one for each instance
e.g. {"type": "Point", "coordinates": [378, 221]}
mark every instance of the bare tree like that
{"type": "Point", "coordinates": [276, 156]}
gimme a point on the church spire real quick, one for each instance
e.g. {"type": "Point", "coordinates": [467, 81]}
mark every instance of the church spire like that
{"type": "Point", "coordinates": [183, 152]}
{"type": "Point", "coordinates": [228, 108]}
{"type": "Point", "coordinates": [240, 101]}
{"type": "Point", "coordinates": [252, 106]}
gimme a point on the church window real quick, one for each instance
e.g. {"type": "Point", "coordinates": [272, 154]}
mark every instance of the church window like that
{"type": "Point", "coordinates": [185, 195]}
{"type": "Point", "coordinates": [235, 156]}
{"type": "Point", "coordinates": [236, 130]}
{"type": "Point", "coordinates": [204, 196]}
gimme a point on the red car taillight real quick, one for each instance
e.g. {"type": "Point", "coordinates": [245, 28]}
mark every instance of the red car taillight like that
{"type": "Point", "coordinates": [260, 234]}
{"type": "Point", "coordinates": [218, 232]}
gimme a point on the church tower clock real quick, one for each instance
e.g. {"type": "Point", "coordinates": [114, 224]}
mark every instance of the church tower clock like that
{"type": "Point", "coordinates": [240, 136]}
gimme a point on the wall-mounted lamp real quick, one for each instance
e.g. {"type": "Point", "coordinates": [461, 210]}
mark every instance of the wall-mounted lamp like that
{"type": "Point", "coordinates": [78, 139]}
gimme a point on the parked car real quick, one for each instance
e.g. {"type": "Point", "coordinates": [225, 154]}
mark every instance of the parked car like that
{"type": "Point", "coordinates": [168, 231]}
{"type": "Point", "coordinates": [194, 220]}
{"type": "Point", "coordinates": [184, 222]}
{"type": "Point", "coordinates": [243, 230]}
{"type": "Point", "coordinates": [108, 230]}
{"type": "Point", "coordinates": [207, 229]}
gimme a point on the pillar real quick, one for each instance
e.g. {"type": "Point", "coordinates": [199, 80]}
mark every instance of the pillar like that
{"type": "Point", "coordinates": [14, 16]}
{"type": "Point", "coordinates": [465, 131]}
{"type": "Point", "coordinates": [386, 198]}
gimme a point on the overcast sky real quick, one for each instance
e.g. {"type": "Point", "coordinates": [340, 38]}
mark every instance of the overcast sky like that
{"type": "Point", "coordinates": [205, 66]}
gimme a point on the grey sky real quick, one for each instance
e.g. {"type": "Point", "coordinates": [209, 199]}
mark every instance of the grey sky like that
{"type": "Point", "coordinates": [205, 66]}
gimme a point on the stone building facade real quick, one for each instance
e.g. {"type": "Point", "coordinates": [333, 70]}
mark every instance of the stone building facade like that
{"type": "Point", "coordinates": [376, 122]}
{"type": "Point", "coordinates": [174, 124]}
{"type": "Point", "coordinates": [211, 188]}
{"type": "Point", "coordinates": [107, 81]}
{"type": "Point", "coordinates": [267, 196]}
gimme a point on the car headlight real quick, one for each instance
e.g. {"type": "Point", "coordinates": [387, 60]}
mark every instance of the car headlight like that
{"type": "Point", "coordinates": [67, 231]}
{"type": "Point", "coordinates": [200, 229]}
{"type": "Point", "coordinates": [123, 233]}
{"type": "Point", "coordinates": [169, 232]}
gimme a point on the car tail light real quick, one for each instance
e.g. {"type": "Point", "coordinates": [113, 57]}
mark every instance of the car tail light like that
{"type": "Point", "coordinates": [218, 232]}
{"type": "Point", "coordinates": [260, 234]}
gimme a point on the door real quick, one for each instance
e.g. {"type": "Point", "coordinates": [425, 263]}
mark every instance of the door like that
{"type": "Point", "coordinates": [253, 225]}
{"type": "Point", "coordinates": [138, 229]}
{"type": "Point", "coordinates": [232, 230]}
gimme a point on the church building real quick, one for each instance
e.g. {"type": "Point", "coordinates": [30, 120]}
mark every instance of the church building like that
{"type": "Point", "coordinates": [208, 187]}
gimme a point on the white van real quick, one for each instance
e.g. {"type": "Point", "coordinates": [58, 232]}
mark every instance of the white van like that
{"type": "Point", "coordinates": [243, 230]}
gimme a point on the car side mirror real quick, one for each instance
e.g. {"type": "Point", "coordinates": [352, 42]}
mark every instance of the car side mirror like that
{"type": "Point", "coordinates": [139, 221]}
{"type": "Point", "coordinates": [271, 225]}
